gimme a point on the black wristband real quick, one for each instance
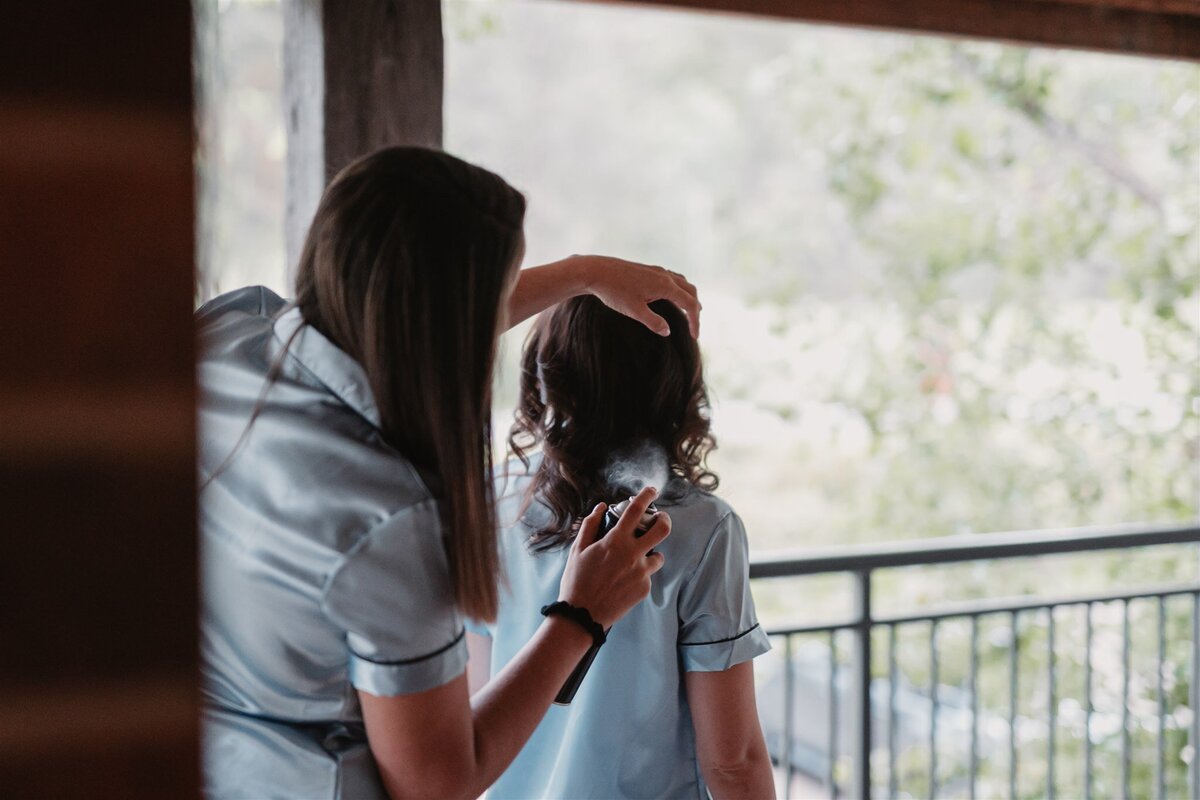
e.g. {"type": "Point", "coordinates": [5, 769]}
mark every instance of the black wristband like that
{"type": "Point", "coordinates": [561, 608]}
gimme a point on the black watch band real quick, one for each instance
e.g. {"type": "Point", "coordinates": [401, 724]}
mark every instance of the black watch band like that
{"type": "Point", "coordinates": [561, 608]}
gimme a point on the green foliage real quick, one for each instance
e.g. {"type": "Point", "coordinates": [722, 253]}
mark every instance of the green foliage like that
{"type": "Point", "coordinates": [1012, 228]}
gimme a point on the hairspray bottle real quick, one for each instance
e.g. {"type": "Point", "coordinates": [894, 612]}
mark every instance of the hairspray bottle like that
{"type": "Point", "coordinates": [611, 517]}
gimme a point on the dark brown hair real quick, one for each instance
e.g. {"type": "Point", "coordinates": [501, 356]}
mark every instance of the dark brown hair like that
{"type": "Point", "coordinates": [405, 268]}
{"type": "Point", "coordinates": [594, 382]}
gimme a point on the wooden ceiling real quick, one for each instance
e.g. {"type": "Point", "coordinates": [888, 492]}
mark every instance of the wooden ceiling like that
{"type": "Point", "coordinates": [1159, 28]}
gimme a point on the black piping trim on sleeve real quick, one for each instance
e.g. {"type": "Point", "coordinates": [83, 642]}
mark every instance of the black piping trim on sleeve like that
{"type": "Point", "coordinates": [720, 641]}
{"type": "Point", "coordinates": [404, 661]}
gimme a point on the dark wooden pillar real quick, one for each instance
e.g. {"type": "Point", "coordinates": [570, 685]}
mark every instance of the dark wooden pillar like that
{"type": "Point", "coordinates": [357, 76]}
{"type": "Point", "coordinates": [97, 508]}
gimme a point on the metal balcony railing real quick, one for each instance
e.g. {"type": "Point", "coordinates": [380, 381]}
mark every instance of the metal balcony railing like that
{"type": "Point", "coordinates": [868, 710]}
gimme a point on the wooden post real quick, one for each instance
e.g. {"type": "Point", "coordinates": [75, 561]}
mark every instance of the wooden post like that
{"type": "Point", "coordinates": [357, 76]}
{"type": "Point", "coordinates": [98, 683]}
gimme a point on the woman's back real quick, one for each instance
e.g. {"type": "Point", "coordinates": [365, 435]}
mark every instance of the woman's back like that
{"type": "Point", "coordinates": [628, 732]}
{"type": "Point", "coordinates": [318, 578]}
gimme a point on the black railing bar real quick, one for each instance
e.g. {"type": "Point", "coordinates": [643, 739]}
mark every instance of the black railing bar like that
{"type": "Point", "coordinates": [1052, 721]}
{"type": "Point", "coordinates": [966, 547]}
{"type": "Point", "coordinates": [1013, 651]}
{"type": "Point", "coordinates": [814, 629]}
{"type": "Point", "coordinates": [1005, 605]}
{"type": "Point", "coordinates": [1000, 606]}
{"type": "Point", "coordinates": [1087, 703]}
{"type": "Point", "coordinates": [933, 708]}
{"type": "Point", "coordinates": [973, 680]}
{"type": "Point", "coordinates": [893, 783]}
{"type": "Point", "coordinates": [860, 664]}
{"type": "Point", "coordinates": [833, 714]}
{"type": "Point", "coordinates": [1160, 743]}
{"type": "Point", "coordinates": [1125, 678]}
{"type": "Point", "coordinates": [788, 717]}
{"type": "Point", "coordinates": [1194, 770]}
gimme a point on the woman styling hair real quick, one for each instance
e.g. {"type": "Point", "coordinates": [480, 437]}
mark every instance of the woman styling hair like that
{"type": "Point", "coordinates": [346, 514]}
{"type": "Point", "coordinates": [667, 709]}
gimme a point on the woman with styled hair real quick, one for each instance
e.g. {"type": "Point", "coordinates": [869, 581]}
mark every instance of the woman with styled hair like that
{"type": "Point", "coordinates": [667, 708]}
{"type": "Point", "coordinates": [346, 510]}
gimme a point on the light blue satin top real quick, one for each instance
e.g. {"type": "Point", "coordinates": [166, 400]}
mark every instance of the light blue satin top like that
{"type": "Point", "coordinates": [323, 566]}
{"type": "Point", "coordinates": [628, 733]}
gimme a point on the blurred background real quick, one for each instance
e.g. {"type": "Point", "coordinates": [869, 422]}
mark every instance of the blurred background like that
{"type": "Point", "coordinates": [950, 287]}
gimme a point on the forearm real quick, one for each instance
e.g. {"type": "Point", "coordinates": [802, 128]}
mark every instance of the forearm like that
{"type": "Point", "coordinates": [538, 288]}
{"type": "Point", "coordinates": [624, 286]}
{"type": "Point", "coordinates": [507, 710]}
{"type": "Point", "coordinates": [749, 778]}
{"type": "Point", "coordinates": [729, 740]}
{"type": "Point", "coordinates": [441, 742]}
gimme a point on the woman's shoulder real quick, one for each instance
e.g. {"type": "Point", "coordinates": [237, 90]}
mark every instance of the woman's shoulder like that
{"type": "Point", "coordinates": [698, 519]}
{"type": "Point", "coordinates": [339, 488]}
{"type": "Point", "coordinates": [513, 474]}
{"type": "Point", "coordinates": [251, 301]}
{"type": "Point", "coordinates": [695, 506]}
{"type": "Point", "coordinates": [511, 480]}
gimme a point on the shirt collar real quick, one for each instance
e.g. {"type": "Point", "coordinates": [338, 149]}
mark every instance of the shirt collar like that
{"type": "Point", "coordinates": [340, 373]}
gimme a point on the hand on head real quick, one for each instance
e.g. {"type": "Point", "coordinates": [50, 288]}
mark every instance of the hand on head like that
{"type": "Point", "coordinates": [630, 288]}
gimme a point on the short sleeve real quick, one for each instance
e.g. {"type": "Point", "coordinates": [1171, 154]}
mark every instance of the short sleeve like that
{"type": "Point", "coordinates": [478, 628]}
{"type": "Point", "coordinates": [718, 626]}
{"type": "Point", "coordinates": [392, 595]}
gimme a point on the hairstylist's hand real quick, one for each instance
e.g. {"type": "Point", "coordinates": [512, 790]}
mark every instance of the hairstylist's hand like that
{"type": "Point", "coordinates": [611, 576]}
{"type": "Point", "coordinates": [629, 287]}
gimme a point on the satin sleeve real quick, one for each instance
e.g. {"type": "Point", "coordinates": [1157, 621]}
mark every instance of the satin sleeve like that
{"type": "Point", "coordinates": [478, 628]}
{"type": "Point", "coordinates": [392, 595]}
{"type": "Point", "coordinates": [718, 627]}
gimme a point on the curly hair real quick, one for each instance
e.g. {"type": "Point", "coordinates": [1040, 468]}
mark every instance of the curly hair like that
{"type": "Point", "coordinates": [595, 382]}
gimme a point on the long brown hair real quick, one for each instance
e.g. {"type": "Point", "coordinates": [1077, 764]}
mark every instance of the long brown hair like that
{"type": "Point", "coordinates": [404, 269]}
{"type": "Point", "coordinates": [594, 382]}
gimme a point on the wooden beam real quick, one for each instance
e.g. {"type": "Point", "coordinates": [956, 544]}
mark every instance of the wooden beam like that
{"type": "Point", "coordinates": [357, 76]}
{"type": "Point", "coordinates": [1161, 28]}
{"type": "Point", "coordinates": [1161, 6]}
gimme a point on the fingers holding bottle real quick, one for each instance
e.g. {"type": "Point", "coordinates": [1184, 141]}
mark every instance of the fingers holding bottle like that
{"type": "Point", "coordinates": [610, 576]}
{"type": "Point", "coordinates": [641, 527]}
{"type": "Point", "coordinates": [637, 514]}
{"type": "Point", "coordinates": [589, 529]}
